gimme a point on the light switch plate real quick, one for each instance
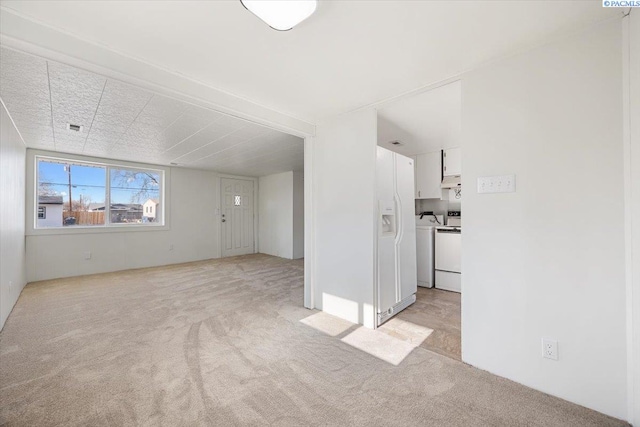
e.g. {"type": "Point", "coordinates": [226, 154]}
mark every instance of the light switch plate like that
{"type": "Point", "coordinates": [497, 184]}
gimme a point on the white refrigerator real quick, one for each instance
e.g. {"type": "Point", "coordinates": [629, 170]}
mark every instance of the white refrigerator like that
{"type": "Point", "coordinates": [397, 281]}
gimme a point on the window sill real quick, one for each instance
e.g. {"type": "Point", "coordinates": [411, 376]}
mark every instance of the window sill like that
{"type": "Point", "coordinates": [96, 229]}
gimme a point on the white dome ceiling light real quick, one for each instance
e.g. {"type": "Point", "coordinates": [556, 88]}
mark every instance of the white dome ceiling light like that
{"type": "Point", "coordinates": [281, 15]}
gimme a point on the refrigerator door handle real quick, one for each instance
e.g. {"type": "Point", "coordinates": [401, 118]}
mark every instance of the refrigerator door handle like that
{"type": "Point", "coordinates": [399, 225]}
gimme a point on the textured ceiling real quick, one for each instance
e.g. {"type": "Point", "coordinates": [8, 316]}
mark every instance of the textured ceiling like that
{"type": "Point", "coordinates": [346, 55]}
{"type": "Point", "coordinates": [121, 121]}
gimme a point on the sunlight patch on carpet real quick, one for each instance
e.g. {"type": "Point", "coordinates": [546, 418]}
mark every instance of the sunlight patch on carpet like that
{"type": "Point", "coordinates": [379, 344]}
{"type": "Point", "coordinates": [326, 323]}
{"type": "Point", "coordinates": [406, 331]}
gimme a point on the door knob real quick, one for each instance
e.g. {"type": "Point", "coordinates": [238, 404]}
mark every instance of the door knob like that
{"type": "Point", "coordinates": [224, 220]}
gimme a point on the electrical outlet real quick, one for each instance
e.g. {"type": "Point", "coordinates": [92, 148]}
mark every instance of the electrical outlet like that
{"type": "Point", "coordinates": [87, 255]}
{"type": "Point", "coordinates": [549, 349]}
{"type": "Point", "coordinates": [171, 247]}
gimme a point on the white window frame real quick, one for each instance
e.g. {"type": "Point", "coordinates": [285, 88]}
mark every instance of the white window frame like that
{"type": "Point", "coordinates": [33, 156]}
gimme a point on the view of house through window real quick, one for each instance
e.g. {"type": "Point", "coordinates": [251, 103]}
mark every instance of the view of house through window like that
{"type": "Point", "coordinates": [72, 193]}
{"type": "Point", "coordinates": [135, 196]}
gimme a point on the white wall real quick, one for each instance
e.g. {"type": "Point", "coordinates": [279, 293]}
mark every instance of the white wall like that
{"type": "Point", "coordinates": [547, 260]}
{"type": "Point", "coordinates": [631, 85]}
{"type": "Point", "coordinates": [298, 215]}
{"type": "Point", "coordinates": [344, 161]}
{"type": "Point", "coordinates": [12, 202]}
{"type": "Point", "coordinates": [275, 215]}
{"type": "Point", "coordinates": [281, 215]}
{"type": "Point", "coordinates": [193, 232]}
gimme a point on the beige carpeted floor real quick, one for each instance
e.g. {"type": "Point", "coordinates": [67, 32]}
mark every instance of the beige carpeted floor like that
{"type": "Point", "coordinates": [225, 342]}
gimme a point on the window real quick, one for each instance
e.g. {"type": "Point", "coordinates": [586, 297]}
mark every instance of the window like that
{"type": "Point", "coordinates": [83, 194]}
{"type": "Point", "coordinates": [130, 191]}
{"type": "Point", "coordinates": [237, 201]}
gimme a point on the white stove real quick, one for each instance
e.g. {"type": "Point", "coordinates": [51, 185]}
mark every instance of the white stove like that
{"type": "Point", "coordinates": [448, 270]}
{"type": "Point", "coordinates": [454, 219]}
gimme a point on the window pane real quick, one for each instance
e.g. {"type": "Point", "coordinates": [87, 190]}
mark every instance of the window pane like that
{"type": "Point", "coordinates": [70, 194]}
{"type": "Point", "coordinates": [135, 196]}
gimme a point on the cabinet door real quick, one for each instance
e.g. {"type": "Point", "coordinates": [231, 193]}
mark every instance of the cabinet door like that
{"type": "Point", "coordinates": [428, 177]}
{"type": "Point", "coordinates": [452, 162]}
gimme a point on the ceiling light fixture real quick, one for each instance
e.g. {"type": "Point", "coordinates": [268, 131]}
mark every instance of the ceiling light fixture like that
{"type": "Point", "coordinates": [281, 15]}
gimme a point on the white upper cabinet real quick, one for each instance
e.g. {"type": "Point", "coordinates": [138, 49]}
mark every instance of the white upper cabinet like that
{"type": "Point", "coordinates": [452, 162]}
{"type": "Point", "coordinates": [428, 175]}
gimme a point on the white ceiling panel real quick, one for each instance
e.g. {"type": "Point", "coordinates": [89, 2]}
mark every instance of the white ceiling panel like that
{"type": "Point", "coordinates": [70, 141]}
{"type": "Point", "coordinates": [32, 121]}
{"type": "Point", "coordinates": [195, 111]}
{"type": "Point", "coordinates": [183, 128]}
{"type": "Point", "coordinates": [125, 122]}
{"type": "Point", "coordinates": [232, 121]}
{"type": "Point", "coordinates": [252, 130]}
{"type": "Point", "coordinates": [33, 99]}
{"type": "Point", "coordinates": [75, 95]}
{"type": "Point", "coordinates": [216, 146]}
{"type": "Point", "coordinates": [39, 139]}
{"type": "Point", "coordinates": [266, 156]}
{"type": "Point", "coordinates": [246, 151]}
{"type": "Point", "coordinates": [17, 66]}
{"type": "Point", "coordinates": [119, 107]}
{"type": "Point", "coordinates": [205, 136]}
{"type": "Point", "coordinates": [162, 111]}
{"type": "Point", "coordinates": [24, 88]}
{"type": "Point", "coordinates": [142, 133]}
{"type": "Point", "coordinates": [100, 139]}
{"type": "Point", "coordinates": [135, 153]}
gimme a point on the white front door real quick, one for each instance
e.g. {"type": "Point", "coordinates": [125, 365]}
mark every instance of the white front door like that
{"type": "Point", "coordinates": [237, 216]}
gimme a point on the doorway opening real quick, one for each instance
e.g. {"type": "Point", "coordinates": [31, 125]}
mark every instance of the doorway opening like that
{"type": "Point", "coordinates": [426, 127]}
{"type": "Point", "coordinates": [263, 204]}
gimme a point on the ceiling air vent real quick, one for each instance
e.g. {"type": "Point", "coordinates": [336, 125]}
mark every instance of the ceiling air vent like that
{"type": "Point", "coordinates": [75, 128]}
{"type": "Point", "coordinates": [395, 143]}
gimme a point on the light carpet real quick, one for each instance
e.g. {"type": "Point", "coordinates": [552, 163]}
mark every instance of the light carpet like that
{"type": "Point", "coordinates": [224, 342]}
